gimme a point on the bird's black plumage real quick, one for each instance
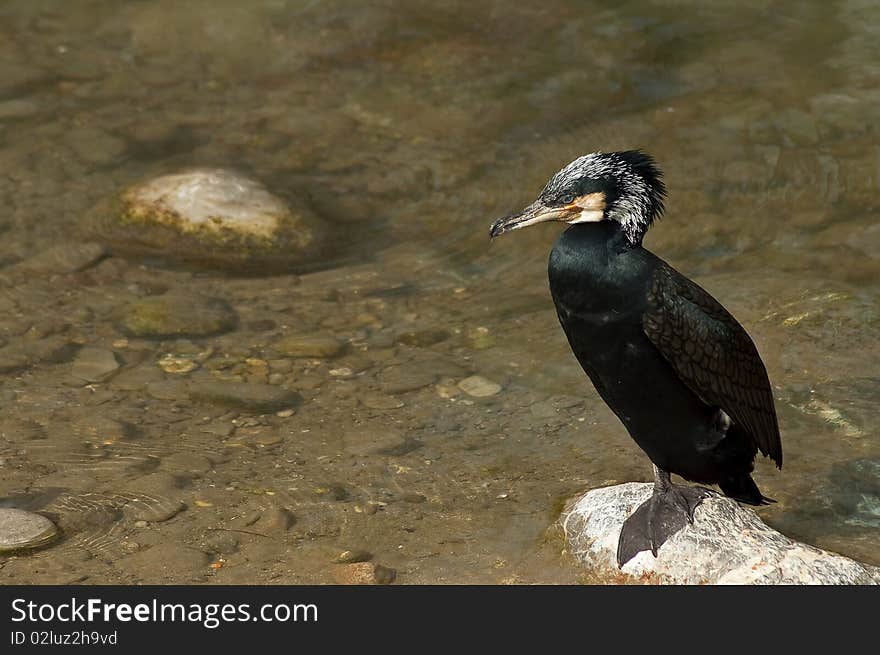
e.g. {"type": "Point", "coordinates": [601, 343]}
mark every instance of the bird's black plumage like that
{"type": "Point", "coordinates": [677, 369]}
{"type": "Point", "coordinates": [713, 355]}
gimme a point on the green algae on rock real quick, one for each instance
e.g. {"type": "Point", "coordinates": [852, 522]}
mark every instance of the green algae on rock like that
{"type": "Point", "coordinates": [176, 315]}
{"type": "Point", "coordinates": [214, 217]}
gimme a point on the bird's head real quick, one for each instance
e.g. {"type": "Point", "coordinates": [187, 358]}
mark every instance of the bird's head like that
{"type": "Point", "coordinates": [603, 186]}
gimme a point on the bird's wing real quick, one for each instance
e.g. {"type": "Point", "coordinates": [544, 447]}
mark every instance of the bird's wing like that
{"type": "Point", "coordinates": [713, 355]}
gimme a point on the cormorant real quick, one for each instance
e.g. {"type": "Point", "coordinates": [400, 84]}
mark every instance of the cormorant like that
{"type": "Point", "coordinates": [676, 368]}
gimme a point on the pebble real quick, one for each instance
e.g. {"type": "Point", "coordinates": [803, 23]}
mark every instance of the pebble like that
{"type": "Point", "coordinates": [178, 364]}
{"type": "Point", "coordinates": [249, 396]}
{"type": "Point", "coordinates": [316, 346]}
{"type": "Point", "coordinates": [152, 509]}
{"type": "Point", "coordinates": [363, 573]}
{"type": "Point", "coordinates": [380, 401]}
{"type": "Point", "coordinates": [353, 556]}
{"type": "Point", "coordinates": [176, 314]}
{"type": "Point", "coordinates": [479, 387]}
{"type": "Point", "coordinates": [422, 338]}
{"type": "Point", "coordinates": [94, 364]}
{"type": "Point", "coordinates": [480, 338]}
{"type": "Point", "coordinates": [373, 441]}
{"type": "Point", "coordinates": [222, 542]}
{"type": "Point", "coordinates": [275, 520]}
{"type": "Point", "coordinates": [20, 530]}
{"type": "Point", "coordinates": [401, 379]}
{"type": "Point", "coordinates": [447, 389]}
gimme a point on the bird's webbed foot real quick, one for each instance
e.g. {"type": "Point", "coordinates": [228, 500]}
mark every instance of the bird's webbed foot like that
{"type": "Point", "coordinates": [667, 511]}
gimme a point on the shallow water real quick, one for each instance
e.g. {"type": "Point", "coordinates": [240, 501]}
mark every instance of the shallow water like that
{"type": "Point", "coordinates": [409, 127]}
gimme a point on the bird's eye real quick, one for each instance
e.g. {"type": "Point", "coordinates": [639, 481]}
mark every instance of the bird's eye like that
{"type": "Point", "coordinates": [567, 199]}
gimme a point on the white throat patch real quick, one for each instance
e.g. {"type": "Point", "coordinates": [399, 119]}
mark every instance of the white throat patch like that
{"type": "Point", "coordinates": [588, 216]}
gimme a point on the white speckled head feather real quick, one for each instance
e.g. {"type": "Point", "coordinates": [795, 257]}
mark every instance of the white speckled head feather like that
{"type": "Point", "coordinates": [629, 180]}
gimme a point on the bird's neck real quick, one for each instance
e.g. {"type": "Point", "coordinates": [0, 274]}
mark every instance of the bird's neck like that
{"type": "Point", "coordinates": [608, 236]}
{"type": "Point", "coordinates": [591, 266]}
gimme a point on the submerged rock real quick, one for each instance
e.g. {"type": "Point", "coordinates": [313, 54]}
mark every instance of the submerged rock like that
{"type": "Point", "coordinates": [176, 315]}
{"type": "Point", "coordinates": [727, 544]}
{"type": "Point", "coordinates": [64, 259]}
{"type": "Point", "coordinates": [211, 216]}
{"type": "Point", "coordinates": [94, 364]}
{"type": "Point", "coordinates": [317, 346]}
{"type": "Point", "coordinates": [248, 396]}
{"type": "Point", "coordinates": [479, 387]}
{"type": "Point", "coordinates": [21, 530]}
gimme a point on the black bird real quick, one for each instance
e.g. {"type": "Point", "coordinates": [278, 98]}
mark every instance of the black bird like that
{"type": "Point", "coordinates": [676, 368]}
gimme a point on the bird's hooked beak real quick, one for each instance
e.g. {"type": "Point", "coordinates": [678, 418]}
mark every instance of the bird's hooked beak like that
{"type": "Point", "coordinates": [537, 212]}
{"type": "Point", "coordinates": [588, 208]}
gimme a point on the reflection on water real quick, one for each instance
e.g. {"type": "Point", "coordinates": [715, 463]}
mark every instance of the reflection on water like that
{"type": "Point", "coordinates": [408, 127]}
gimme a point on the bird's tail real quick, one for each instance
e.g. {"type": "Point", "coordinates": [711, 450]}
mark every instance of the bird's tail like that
{"type": "Point", "coordinates": [741, 487]}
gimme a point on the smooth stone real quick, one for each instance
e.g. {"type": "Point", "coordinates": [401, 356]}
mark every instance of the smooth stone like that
{"type": "Point", "coordinates": [401, 379]}
{"type": "Point", "coordinates": [94, 364]}
{"type": "Point", "coordinates": [479, 387]}
{"type": "Point", "coordinates": [178, 364]}
{"type": "Point", "coordinates": [64, 259]}
{"type": "Point", "coordinates": [275, 520]}
{"type": "Point", "coordinates": [152, 509]}
{"type": "Point", "coordinates": [176, 315]}
{"type": "Point", "coordinates": [316, 346]}
{"type": "Point", "coordinates": [380, 401]}
{"type": "Point", "coordinates": [250, 396]}
{"type": "Point", "coordinates": [353, 556]}
{"type": "Point", "coordinates": [480, 338]}
{"type": "Point", "coordinates": [422, 338]}
{"type": "Point", "coordinates": [363, 573]}
{"type": "Point", "coordinates": [212, 216]}
{"type": "Point", "coordinates": [727, 544]}
{"type": "Point", "coordinates": [221, 542]}
{"type": "Point", "coordinates": [20, 530]}
{"type": "Point", "coordinates": [372, 442]}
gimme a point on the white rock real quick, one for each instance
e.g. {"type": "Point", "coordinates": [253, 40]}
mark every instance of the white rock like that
{"type": "Point", "coordinates": [20, 529]}
{"type": "Point", "coordinates": [212, 199]}
{"type": "Point", "coordinates": [727, 544]}
{"type": "Point", "coordinates": [208, 215]}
